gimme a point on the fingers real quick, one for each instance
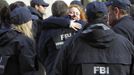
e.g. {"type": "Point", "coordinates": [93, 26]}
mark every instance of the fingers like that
{"type": "Point", "coordinates": [76, 26]}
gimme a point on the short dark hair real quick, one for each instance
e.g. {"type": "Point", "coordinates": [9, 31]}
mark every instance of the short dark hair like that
{"type": "Point", "coordinates": [17, 4]}
{"type": "Point", "coordinates": [59, 8]}
{"type": "Point", "coordinates": [32, 4]}
{"type": "Point", "coordinates": [123, 11]}
{"type": "Point", "coordinates": [4, 12]}
{"type": "Point", "coordinates": [3, 4]}
{"type": "Point", "coordinates": [20, 3]}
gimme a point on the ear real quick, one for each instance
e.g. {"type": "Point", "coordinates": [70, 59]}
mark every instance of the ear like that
{"type": "Point", "coordinates": [36, 7]}
{"type": "Point", "coordinates": [117, 12]}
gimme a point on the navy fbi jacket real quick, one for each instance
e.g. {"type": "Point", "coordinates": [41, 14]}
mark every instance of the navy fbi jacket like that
{"type": "Point", "coordinates": [97, 50]}
{"type": "Point", "coordinates": [17, 53]}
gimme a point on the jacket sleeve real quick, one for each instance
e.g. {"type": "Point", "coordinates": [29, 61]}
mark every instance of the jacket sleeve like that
{"type": "Point", "coordinates": [132, 66]}
{"type": "Point", "coordinates": [42, 47]}
{"type": "Point", "coordinates": [61, 63]}
{"type": "Point", "coordinates": [131, 48]}
{"type": "Point", "coordinates": [56, 22]}
{"type": "Point", "coordinates": [26, 56]}
{"type": "Point", "coordinates": [47, 50]}
{"type": "Point", "coordinates": [124, 32]}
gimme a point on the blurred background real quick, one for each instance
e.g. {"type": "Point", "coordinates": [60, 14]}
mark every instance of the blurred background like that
{"type": "Point", "coordinates": [48, 10]}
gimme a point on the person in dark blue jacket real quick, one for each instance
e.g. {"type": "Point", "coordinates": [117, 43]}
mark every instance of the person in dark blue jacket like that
{"type": "Point", "coordinates": [120, 19]}
{"type": "Point", "coordinates": [97, 49]}
{"type": "Point", "coordinates": [16, 53]}
{"type": "Point", "coordinates": [17, 44]}
{"type": "Point", "coordinates": [52, 39]}
{"type": "Point", "coordinates": [37, 10]}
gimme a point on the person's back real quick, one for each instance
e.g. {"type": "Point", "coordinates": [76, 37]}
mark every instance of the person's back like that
{"type": "Point", "coordinates": [15, 49]}
{"type": "Point", "coordinates": [52, 39]}
{"type": "Point", "coordinates": [20, 44]}
{"type": "Point", "coordinates": [96, 50]}
{"type": "Point", "coordinates": [61, 33]}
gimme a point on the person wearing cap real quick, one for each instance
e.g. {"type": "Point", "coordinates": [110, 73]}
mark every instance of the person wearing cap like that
{"type": "Point", "coordinates": [21, 17]}
{"type": "Point", "coordinates": [97, 49]}
{"type": "Point", "coordinates": [38, 8]}
{"type": "Point", "coordinates": [18, 44]}
{"type": "Point", "coordinates": [120, 19]}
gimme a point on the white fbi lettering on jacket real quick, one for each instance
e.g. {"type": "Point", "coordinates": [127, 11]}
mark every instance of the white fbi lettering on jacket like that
{"type": "Point", "coordinates": [101, 70]}
{"type": "Point", "coordinates": [65, 36]}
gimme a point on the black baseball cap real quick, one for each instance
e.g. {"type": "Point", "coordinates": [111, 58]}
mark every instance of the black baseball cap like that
{"type": "Point", "coordinates": [40, 2]}
{"type": "Point", "coordinates": [119, 3]}
{"type": "Point", "coordinates": [93, 9]}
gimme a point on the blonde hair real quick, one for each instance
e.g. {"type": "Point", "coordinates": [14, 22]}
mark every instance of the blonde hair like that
{"type": "Point", "coordinates": [82, 13]}
{"type": "Point", "coordinates": [26, 28]}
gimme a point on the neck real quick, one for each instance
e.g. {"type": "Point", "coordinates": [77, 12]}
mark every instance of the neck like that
{"type": "Point", "coordinates": [121, 16]}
